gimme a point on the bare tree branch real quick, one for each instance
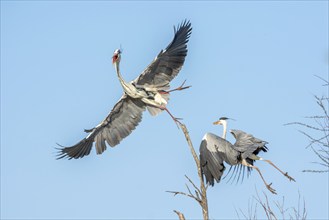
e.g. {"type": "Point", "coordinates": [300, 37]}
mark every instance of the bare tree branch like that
{"type": "Point", "coordinates": [203, 190]}
{"type": "Point", "coordinates": [185, 194]}
{"type": "Point", "coordinates": [180, 215]}
{"type": "Point", "coordinates": [196, 188]}
{"type": "Point", "coordinates": [200, 193]}
{"type": "Point", "coordinates": [266, 206]}
{"type": "Point", "coordinates": [319, 142]}
{"type": "Point", "coordinates": [272, 211]}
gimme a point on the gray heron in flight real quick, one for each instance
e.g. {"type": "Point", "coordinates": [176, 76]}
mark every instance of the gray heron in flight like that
{"type": "Point", "coordinates": [149, 90]}
{"type": "Point", "coordinates": [215, 150]}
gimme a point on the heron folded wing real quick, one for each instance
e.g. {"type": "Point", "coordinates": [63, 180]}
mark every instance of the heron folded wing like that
{"type": "Point", "coordinates": [123, 118]}
{"type": "Point", "coordinates": [211, 162]}
{"type": "Point", "coordinates": [169, 62]}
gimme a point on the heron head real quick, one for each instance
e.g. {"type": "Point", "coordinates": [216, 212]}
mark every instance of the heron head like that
{"type": "Point", "coordinates": [116, 56]}
{"type": "Point", "coordinates": [220, 121]}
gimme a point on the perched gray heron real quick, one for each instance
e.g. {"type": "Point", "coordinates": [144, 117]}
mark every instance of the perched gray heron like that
{"type": "Point", "coordinates": [215, 150]}
{"type": "Point", "coordinates": [149, 90]}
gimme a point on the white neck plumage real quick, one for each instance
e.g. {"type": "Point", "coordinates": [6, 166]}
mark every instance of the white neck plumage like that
{"type": "Point", "coordinates": [117, 69]}
{"type": "Point", "coordinates": [224, 123]}
{"type": "Point", "coordinates": [123, 83]}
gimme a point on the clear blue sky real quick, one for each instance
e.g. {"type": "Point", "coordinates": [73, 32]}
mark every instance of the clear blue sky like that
{"type": "Point", "coordinates": [252, 61]}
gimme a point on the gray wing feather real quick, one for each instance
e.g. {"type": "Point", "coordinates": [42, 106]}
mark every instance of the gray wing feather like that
{"type": "Point", "coordinates": [168, 62]}
{"type": "Point", "coordinates": [214, 151]}
{"type": "Point", "coordinates": [229, 154]}
{"type": "Point", "coordinates": [211, 163]}
{"type": "Point", "coordinates": [123, 118]}
{"type": "Point", "coordinates": [100, 144]}
{"type": "Point", "coordinates": [247, 144]}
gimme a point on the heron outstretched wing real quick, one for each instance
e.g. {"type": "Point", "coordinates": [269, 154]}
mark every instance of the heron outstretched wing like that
{"type": "Point", "coordinates": [247, 144]}
{"type": "Point", "coordinates": [168, 62]}
{"type": "Point", "coordinates": [123, 118]}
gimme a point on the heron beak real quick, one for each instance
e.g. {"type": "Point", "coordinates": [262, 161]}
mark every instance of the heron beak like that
{"type": "Point", "coordinates": [115, 58]}
{"type": "Point", "coordinates": [217, 122]}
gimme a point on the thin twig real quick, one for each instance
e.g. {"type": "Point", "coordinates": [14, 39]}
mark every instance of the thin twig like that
{"type": "Point", "coordinates": [193, 184]}
{"type": "Point", "coordinates": [185, 194]}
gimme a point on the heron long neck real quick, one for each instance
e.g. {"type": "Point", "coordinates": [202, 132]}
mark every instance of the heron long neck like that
{"type": "Point", "coordinates": [117, 69]}
{"type": "Point", "coordinates": [224, 129]}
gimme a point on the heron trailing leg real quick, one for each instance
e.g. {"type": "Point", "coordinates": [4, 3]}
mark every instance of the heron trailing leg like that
{"type": "Point", "coordinates": [284, 173]}
{"type": "Point", "coordinates": [255, 157]}
{"type": "Point", "coordinates": [268, 186]}
{"type": "Point", "coordinates": [181, 87]}
{"type": "Point", "coordinates": [176, 120]}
